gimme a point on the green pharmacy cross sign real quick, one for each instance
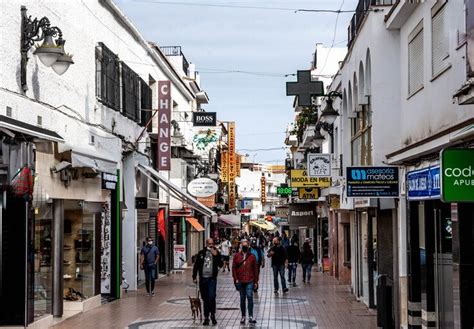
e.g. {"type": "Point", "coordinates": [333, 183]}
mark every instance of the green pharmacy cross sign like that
{"type": "Point", "coordinates": [457, 175]}
{"type": "Point", "coordinates": [284, 190]}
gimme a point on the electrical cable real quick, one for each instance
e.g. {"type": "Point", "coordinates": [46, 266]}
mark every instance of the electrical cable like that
{"type": "Point", "coordinates": [199, 4]}
{"type": "Point", "coordinates": [333, 38]}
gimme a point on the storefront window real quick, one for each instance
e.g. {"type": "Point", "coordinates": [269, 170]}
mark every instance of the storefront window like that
{"type": "Point", "coordinates": [79, 251]}
{"type": "Point", "coordinates": [43, 274]}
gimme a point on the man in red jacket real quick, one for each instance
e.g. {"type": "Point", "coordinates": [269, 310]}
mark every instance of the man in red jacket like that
{"type": "Point", "coordinates": [245, 274]}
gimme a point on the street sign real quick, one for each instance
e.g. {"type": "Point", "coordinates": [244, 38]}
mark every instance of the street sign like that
{"type": "Point", "coordinates": [457, 175]}
{"type": "Point", "coordinates": [424, 184]}
{"type": "Point", "coordinates": [304, 88]}
{"type": "Point", "coordinates": [311, 193]}
{"type": "Point", "coordinates": [377, 182]}
{"type": "Point", "coordinates": [319, 165]}
{"type": "Point", "coordinates": [300, 178]}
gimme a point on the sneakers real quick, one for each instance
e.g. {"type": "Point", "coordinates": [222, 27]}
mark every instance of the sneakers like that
{"type": "Point", "coordinates": [242, 321]}
{"type": "Point", "coordinates": [285, 290]}
{"type": "Point", "coordinates": [205, 322]}
{"type": "Point", "coordinates": [275, 292]}
{"type": "Point", "coordinates": [252, 320]}
{"type": "Point", "coordinates": [153, 294]}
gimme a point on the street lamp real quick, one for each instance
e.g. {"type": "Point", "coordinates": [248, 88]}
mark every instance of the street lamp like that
{"type": "Point", "coordinates": [329, 114]}
{"type": "Point", "coordinates": [51, 53]}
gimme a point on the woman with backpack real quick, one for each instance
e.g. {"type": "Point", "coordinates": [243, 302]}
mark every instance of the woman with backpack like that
{"type": "Point", "coordinates": [307, 262]}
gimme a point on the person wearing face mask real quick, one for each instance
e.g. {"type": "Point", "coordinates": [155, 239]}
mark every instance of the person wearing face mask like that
{"type": "Point", "coordinates": [279, 260]}
{"type": "Point", "coordinates": [245, 275]}
{"type": "Point", "coordinates": [208, 262]}
{"type": "Point", "coordinates": [149, 257]}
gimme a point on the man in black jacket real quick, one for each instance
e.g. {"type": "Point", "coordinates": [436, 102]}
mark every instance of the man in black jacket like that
{"type": "Point", "coordinates": [208, 262]}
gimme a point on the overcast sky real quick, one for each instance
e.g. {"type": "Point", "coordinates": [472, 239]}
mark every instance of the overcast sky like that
{"type": "Point", "coordinates": [253, 40]}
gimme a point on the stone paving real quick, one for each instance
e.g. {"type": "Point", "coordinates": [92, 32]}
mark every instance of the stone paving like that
{"type": "Point", "coordinates": [322, 304]}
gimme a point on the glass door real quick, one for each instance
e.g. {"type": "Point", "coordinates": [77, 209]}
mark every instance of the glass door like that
{"type": "Point", "coordinates": [443, 266]}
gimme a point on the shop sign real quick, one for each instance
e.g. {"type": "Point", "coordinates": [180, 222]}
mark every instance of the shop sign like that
{"type": "Point", "coordinates": [319, 165]}
{"type": "Point", "coordinates": [204, 119]}
{"type": "Point", "coordinates": [263, 193]}
{"type": "Point", "coordinates": [109, 181]}
{"type": "Point", "coordinates": [179, 251]}
{"type": "Point", "coordinates": [231, 195]}
{"type": "Point", "coordinates": [202, 187]}
{"type": "Point", "coordinates": [300, 178]}
{"type": "Point", "coordinates": [302, 214]}
{"type": "Point", "coordinates": [224, 167]}
{"type": "Point", "coordinates": [311, 193]}
{"type": "Point", "coordinates": [378, 182]}
{"type": "Point", "coordinates": [424, 184]}
{"type": "Point", "coordinates": [164, 125]}
{"type": "Point", "coordinates": [209, 201]}
{"type": "Point", "coordinates": [284, 190]}
{"type": "Point", "coordinates": [238, 160]}
{"type": "Point", "coordinates": [457, 175]}
{"type": "Point", "coordinates": [281, 212]}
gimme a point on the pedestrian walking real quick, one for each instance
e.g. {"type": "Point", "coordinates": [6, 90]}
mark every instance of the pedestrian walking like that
{"type": "Point", "coordinates": [225, 248]}
{"type": "Point", "coordinates": [307, 261]}
{"type": "Point", "coordinates": [208, 262]}
{"type": "Point", "coordinates": [279, 259]}
{"type": "Point", "coordinates": [257, 251]}
{"type": "Point", "coordinates": [245, 274]}
{"type": "Point", "coordinates": [293, 260]}
{"type": "Point", "coordinates": [149, 257]}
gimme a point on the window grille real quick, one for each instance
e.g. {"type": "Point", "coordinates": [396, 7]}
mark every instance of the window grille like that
{"type": "Point", "coordinates": [107, 77]}
{"type": "Point", "coordinates": [130, 93]}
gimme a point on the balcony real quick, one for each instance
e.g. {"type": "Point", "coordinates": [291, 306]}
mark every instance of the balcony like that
{"type": "Point", "coordinates": [361, 11]}
{"type": "Point", "coordinates": [171, 51]}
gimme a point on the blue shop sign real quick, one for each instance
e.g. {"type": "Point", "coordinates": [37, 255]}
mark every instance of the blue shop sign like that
{"type": "Point", "coordinates": [424, 184]}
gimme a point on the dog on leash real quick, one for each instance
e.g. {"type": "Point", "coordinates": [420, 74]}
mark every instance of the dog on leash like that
{"type": "Point", "coordinates": [196, 307]}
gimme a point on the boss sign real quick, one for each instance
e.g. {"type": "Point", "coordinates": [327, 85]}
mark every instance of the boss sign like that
{"type": "Point", "coordinates": [164, 126]}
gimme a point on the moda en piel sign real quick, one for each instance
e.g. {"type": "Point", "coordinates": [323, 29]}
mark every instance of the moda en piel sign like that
{"type": "Point", "coordinates": [202, 187]}
{"type": "Point", "coordinates": [164, 125]}
{"type": "Point", "coordinates": [457, 175]}
{"type": "Point", "coordinates": [204, 119]}
{"type": "Point", "coordinates": [378, 182]}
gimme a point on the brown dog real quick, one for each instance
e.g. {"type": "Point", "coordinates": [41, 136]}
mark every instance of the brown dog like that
{"type": "Point", "coordinates": [196, 307]}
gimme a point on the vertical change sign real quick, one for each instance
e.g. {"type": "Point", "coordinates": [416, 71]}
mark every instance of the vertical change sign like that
{"type": "Point", "coordinates": [457, 175]}
{"type": "Point", "coordinates": [164, 125]}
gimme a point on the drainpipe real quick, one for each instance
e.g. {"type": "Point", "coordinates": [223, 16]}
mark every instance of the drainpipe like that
{"type": "Point", "coordinates": [58, 268]}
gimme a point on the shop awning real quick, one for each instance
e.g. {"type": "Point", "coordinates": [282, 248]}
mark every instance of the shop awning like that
{"type": "Point", "coordinates": [267, 226]}
{"type": "Point", "coordinates": [25, 128]}
{"type": "Point", "coordinates": [229, 220]}
{"type": "Point", "coordinates": [79, 160]}
{"type": "Point", "coordinates": [195, 223]}
{"type": "Point", "coordinates": [155, 177]}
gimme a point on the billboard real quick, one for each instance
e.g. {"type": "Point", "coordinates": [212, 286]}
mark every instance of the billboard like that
{"type": "Point", "coordinates": [376, 182]}
{"type": "Point", "coordinates": [457, 175]}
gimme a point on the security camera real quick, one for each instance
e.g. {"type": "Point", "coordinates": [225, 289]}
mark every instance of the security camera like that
{"type": "Point", "coordinates": [63, 165]}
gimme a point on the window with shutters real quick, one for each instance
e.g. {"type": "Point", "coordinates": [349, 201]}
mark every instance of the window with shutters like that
{"type": "Point", "coordinates": [146, 103]}
{"type": "Point", "coordinates": [130, 93]}
{"type": "Point", "coordinates": [361, 137]}
{"type": "Point", "coordinates": [415, 59]}
{"type": "Point", "coordinates": [107, 78]}
{"type": "Point", "coordinates": [439, 39]}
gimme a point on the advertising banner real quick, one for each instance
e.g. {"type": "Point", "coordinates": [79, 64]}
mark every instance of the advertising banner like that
{"type": "Point", "coordinates": [224, 167]}
{"type": "Point", "coordinates": [231, 163]}
{"type": "Point", "coordinates": [319, 165]}
{"type": "Point", "coordinates": [457, 175]}
{"type": "Point", "coordinates": [263, 193]}
{"type": "Point", "coordinates": [424, 184]}
{"type": "Point", "coordinates": [164, 125]}
{"type": "Point", "coordinates": [179, 251]}
{"type": "Point", "coordinates": [377, 182]}
{"type": "Point", "coordinates": [300, 178]}
{"type": "Point", "coordinates": [237, 165]}
{"type": "Point", "coordinates": [302, 214]}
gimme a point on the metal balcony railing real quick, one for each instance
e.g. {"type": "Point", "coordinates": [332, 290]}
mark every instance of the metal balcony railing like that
{"type": "Point", "coordinates": [176, 51]}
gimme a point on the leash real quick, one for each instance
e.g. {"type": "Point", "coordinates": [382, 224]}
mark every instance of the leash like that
{"type": "Point", "coordinates": [197, 290]}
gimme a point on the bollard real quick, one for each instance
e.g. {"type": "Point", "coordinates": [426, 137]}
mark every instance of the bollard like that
{"type": "Point", "coordinates": [384, 303]}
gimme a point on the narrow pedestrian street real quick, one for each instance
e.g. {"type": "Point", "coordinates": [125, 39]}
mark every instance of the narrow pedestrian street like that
{"type": "Point", "coordinates": [322, 304]}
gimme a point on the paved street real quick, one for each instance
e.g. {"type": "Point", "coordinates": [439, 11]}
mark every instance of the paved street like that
{"type": "Point", "coordinates": [322, 304]}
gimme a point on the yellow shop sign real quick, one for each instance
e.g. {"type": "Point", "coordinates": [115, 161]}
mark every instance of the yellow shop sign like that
{"type": "Point", "coordinates": [308, 193]}
{"type": "Point", "coordinates": [299, 178]}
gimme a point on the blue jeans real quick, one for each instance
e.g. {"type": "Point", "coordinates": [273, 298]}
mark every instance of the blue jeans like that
{"type": "Point", "coordinates": [307, 271]}
{"type": "Point", "coordinates": [292, 272]}
{"type": "Point", "coordinates": [246, 293]}
{"type": "Point", "coordinates": [208, 286]}
{"type": "Point", "coordinates": [150, 277]}
{"type": "Point", "coordinates": [279, 270]}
